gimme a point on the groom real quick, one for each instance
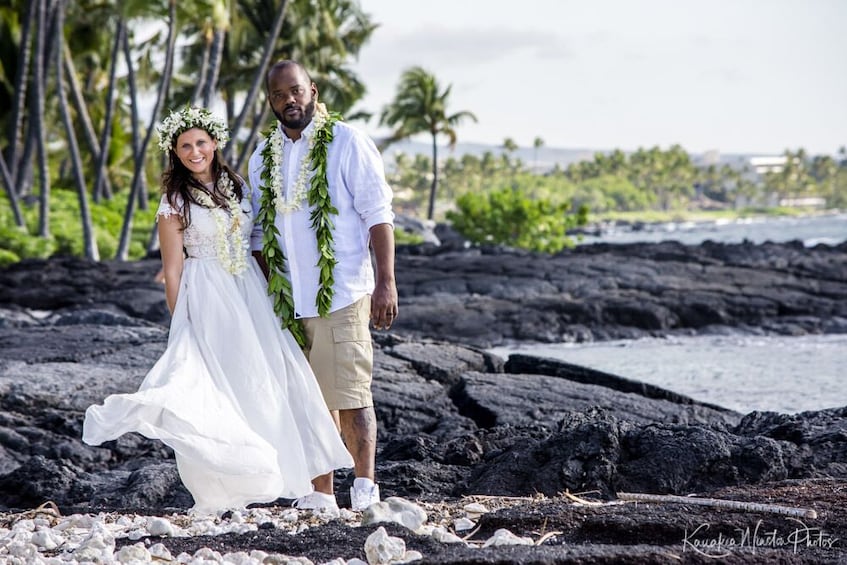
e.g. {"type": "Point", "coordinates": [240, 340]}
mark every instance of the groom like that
{"type": "Point", "coordinates": [321, 204]}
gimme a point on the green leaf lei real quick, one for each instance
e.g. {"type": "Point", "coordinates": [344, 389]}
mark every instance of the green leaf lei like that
{"type": "Point", "coordinates": [318, 197]}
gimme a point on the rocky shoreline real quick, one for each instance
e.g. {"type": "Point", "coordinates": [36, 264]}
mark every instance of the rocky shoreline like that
{"type": "Point", "coordinates": [457, 422]}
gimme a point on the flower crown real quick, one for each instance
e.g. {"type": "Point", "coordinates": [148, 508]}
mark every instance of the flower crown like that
{"type": "Point", "coordinates": [187, 118]}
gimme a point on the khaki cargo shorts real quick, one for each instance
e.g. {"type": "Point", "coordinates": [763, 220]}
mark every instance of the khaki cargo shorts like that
{"type": "Point", "coordinates": [340, 352]}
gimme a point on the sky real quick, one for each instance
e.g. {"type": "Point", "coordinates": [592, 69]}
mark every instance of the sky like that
{"type": "Point", "coordinates": [733, 76]}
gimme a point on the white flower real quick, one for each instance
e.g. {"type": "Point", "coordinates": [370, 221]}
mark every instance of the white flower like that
{"type": "Point", "coordinates": [273, 164]}
{"type": "Point", "coordinates": [187, 118]}
{"type": "Point", "coordinates": [231, 245]}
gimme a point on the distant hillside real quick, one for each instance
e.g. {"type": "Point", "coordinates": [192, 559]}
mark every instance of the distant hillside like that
{"type": "Point", "coordinates": [543, 159]}
{"type": "Point", "coordinates": [547, 157]}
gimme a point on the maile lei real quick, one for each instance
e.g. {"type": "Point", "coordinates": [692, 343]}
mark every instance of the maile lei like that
{"type": "Point", "coordinates": [317, 195]}
{"type": "Point", "coordinates": [231, 245]}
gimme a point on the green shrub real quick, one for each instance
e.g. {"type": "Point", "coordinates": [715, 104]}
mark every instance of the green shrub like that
{"type": "Point", "coordinates": [506, 217]}
{"type": "Point", "coordinates": [23, 244]}
{"type": "Point", "coordinates": [402, 237]}
{"type": "Point", "coordinates": [66, 227]}
{"type": "Point", "coordinates": [8, 257]}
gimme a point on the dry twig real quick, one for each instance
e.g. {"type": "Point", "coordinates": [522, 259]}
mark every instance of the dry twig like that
{"type": "Point", "coordinates": [580, 500]}
{"type": "Point", "coordinates": [719, 503]}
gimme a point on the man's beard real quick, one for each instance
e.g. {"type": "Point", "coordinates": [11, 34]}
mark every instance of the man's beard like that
{"type": "Point", "coordinates": [300, 123]}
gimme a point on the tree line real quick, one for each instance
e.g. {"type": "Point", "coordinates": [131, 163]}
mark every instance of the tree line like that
{"type": "Point", "coordinates": [644, 180]}
{"type": "Point", "coordinates": [83, 83]}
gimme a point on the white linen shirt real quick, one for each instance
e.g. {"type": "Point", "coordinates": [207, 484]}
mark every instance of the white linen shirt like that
{"type": "Point", "coordinates": [359, 192]}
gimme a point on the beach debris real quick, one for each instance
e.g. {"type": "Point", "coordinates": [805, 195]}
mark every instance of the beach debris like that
{"type": "Point", "coordinates": [46, 539]}
{"type": "Point", "coordinates": [505, 537]}
{"type": "Point", "coordinates": [159, 552]}
{"type": "Point", "coordinates": [443, 535]}
{"type": "Point", "coordinates": [44, 535]}
{"type": "Point", "coordinates": [463, 524]}
{"type": "Point", "coordinates": [720, 503]}
{"type": "Point", "coordinates": [158, 526]}
{"type": "Point", "coordinates": [582, 501]}
{"type": "Point", "coordinates": [136, 553]}
{"type": "Point", "coordinates": [475, 509]}
{"type": "Point", "coordinates": [382, 549]}
{"type": "Point", "coordinates": [395, 509]}
{"type": "Point", "coordinates": [97, 546]}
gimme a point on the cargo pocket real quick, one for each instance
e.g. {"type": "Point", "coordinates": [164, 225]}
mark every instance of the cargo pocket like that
{"type": "Point", "coordinates": [353, 354]}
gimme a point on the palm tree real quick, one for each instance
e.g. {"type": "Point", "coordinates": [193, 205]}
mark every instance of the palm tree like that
{"type": "Point", "coordinates": [421, 106]}
{"type": "Point", "coordinates": [101, 180]}
{"type": "Point", "coordinates": [8, 183]}
{"type": "Point", "coordinates": [122, 253]}
{"type": "Point", "coordinates": [95, 31]}
{"type": "Point", "coordinates": [220, 25]}
{"type": "Point", "coordinates": [132, 91]}
{"type": "Point", "coordinates": [248, 109]}
{"type": "Point", "coordinates": [509, 147]}
{"type": "Point", "coordinates": [537, 144]}
{"type": "Point", "coordinates": [18, 106]}
{"type": "Point", "coordinates": [323, 36]}
{"type": "Point", "coordinates": [89, 240]}
{"type": "Point", "coordinates": [37, 115]}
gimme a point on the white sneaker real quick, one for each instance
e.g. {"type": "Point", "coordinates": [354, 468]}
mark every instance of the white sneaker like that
{"type": "Point", "coordinates": [316, 501]}
{"type": "Point", "coordinates": [362, 497]}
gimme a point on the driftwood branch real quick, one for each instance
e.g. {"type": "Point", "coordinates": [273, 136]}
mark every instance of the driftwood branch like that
{"type": "Point", "coordinates": [718, 503]}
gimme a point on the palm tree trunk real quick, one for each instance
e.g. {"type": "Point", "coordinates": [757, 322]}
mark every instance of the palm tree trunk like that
{"type": "Point", "coordinates": [133, 102]}
{"type": "Point", "coordinates": [215, 59]}
{"type": "Point", "coordinates": [37, 116]}
{"type": "Point", "coordinates": [82, 114]}
{"type": "Point", "coordinates": [258, 80]}
{"type": "Point", "coordinates": [106, 133]}
{"type": "Point", "coordinates": [250, 142]}
{"type": "Point", "coordinates": [10, 192]}
{"type": "Point", "coordinates": [88, 239]}
{"type": "Point", "coordinates": [431, 211]}
{"type": "Point", "coordinates": [230, 102]}
{"type": "Point", "coordinates": [164, 85]}
{"type": "Point", "coordinates": [25, 178]}
{"type": "Point", "coordinates": [201, 77]}
{"type": "Point", "coordinates": [153, 241]}
{"type": "Point", "coordinates": [21, 81]}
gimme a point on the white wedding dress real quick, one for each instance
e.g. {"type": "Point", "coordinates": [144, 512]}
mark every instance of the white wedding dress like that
{"type": "Point", "coordinates": [233, 394]}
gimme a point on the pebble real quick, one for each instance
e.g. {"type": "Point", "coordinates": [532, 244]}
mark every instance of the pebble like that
{"type": "Point", "coordinates": [505, 537]}
{"type": "Point", "coordinates": [476, 508]}
{"type": "Point", "coordinates": [395, 509]}
{"type": "Point", "coordinates": [90, 538]}
{"type": "Point", "coordinates": [463, 523]}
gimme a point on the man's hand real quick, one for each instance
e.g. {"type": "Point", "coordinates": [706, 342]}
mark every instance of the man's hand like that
{"type": "Point", "coordinates": [384, 298]}
{"type": "Point", "coordinates": [384, 305]}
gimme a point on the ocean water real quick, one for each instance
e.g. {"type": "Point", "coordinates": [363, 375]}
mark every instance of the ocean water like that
{"type": "Point", "coordinates": [829, 229]}
{"type": "Point", "coordinates": [743, 373]}
{"type": "Point", "coordinates": [782, 374]}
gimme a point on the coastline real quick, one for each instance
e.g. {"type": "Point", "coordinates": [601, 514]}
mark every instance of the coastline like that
{"type": "Point", "coordinates": [458, 425]}
{"type": "Point", "coordinates": [565, 529]}
{"type": "Point", "coordinates": [743, 372]}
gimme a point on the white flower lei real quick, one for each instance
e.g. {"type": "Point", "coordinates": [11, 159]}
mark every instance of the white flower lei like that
{"type": "Point", "coordinates": [300, 190]}
{"type": "Point", "coordinates": [187, 118]}
{"type": "Point", "coordinates": [231, 245]}
{"type": "Point", "coordinates": [317, 195]}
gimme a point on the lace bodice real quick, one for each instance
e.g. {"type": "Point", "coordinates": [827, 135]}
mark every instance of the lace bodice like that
{"type": "Point", "coordinates": [201, 239]}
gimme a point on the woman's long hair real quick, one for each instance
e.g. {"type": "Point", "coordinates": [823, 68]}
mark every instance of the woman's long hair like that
{"type": "Point", "coordinates": [177, 181]}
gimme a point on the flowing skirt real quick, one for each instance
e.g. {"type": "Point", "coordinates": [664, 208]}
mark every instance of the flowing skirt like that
{"type": "Point", "coordinates": [232, 395]}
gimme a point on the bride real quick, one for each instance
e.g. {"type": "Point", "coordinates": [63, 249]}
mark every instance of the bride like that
{"type": "Point", "coordinates": [233, 394]}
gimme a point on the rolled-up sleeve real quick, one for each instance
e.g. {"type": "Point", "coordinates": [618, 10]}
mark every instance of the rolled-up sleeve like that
{"type": "Point", "coordinates": [254, 175]}
{"type": "Point", "coordinates": [365, 179]}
